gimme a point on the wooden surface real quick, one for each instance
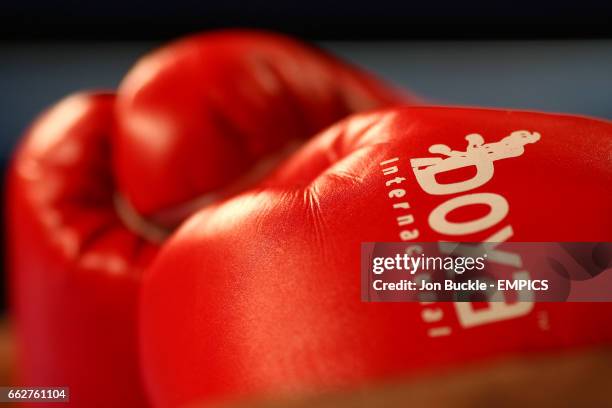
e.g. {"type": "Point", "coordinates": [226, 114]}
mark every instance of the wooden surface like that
{"type": "Point", "coordinates": [7, 359]}
{"type": "Point", "coordinates": [6, 353]}
{"type": "Point", "coordinates": [577, 379]}
{"type": "Point", "coordinates": [580, 379]}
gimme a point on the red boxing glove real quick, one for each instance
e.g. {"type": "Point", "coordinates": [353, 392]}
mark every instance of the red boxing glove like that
{"type": "Point", "coordinates": [196, 116]}
{"type": "Point", "coordinates": [188, 121]}
{"type": "Point", "coordinates": [260, 295]}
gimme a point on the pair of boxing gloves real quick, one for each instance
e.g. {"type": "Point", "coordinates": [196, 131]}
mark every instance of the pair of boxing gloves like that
{"type": "Point", "coordinates": [164, 248]}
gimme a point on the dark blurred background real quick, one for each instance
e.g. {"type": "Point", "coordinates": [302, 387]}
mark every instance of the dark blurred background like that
{"type": "Point", "coordinates": [551, 57]}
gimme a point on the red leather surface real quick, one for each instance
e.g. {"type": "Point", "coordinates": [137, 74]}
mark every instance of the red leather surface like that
{"type": "Point", "coordinates": [194, 116]}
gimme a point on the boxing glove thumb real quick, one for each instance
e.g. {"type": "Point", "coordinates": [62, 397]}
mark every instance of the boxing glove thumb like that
{"type": "Point", "coordinates": [195, 116]}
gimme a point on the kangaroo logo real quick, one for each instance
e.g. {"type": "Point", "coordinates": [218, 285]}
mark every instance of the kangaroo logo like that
{"type": "Point", "coordinates": [477, 154]}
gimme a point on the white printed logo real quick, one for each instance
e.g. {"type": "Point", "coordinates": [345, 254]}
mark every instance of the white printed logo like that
{"type": "Point", "coordinates": [482, 156]}
{"type": "Point", "coordinates": [477, 154]}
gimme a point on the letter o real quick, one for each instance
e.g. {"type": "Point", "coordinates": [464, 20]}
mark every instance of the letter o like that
{"type": "Point", "coordinates": [498, 210]}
